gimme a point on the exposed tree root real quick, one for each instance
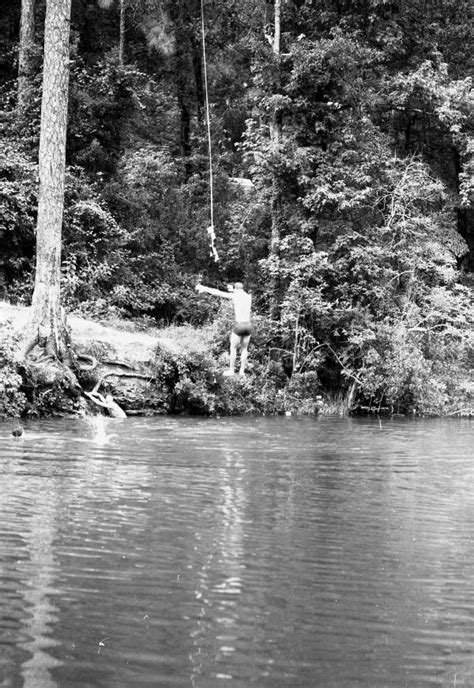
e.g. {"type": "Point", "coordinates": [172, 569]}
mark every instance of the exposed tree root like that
{"type": "Point", "coordinates": [60, 377]}
{"type": "Point", "coordinates": [93, 363]}
{"type": "Point", "coordinates": [125, 364]}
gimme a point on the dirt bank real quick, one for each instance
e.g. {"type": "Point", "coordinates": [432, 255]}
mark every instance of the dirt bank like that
{"type": "Point", "coordinates": [138, 368]}
{"type": "Point", "coordinates": [152, 371]}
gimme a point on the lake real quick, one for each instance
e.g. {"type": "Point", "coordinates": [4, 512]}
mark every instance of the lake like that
{"type": "Point", "coordinates": [269, 552]}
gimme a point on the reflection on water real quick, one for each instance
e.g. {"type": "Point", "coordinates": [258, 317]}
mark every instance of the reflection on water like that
{"type": "Point", "coordinates": [268, 552]}
{"type": "Point", "coordinates": [225, 563]}
{"type": "Point", "coordinates": [39, 571]}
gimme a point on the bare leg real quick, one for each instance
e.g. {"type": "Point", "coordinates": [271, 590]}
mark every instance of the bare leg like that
{"type": "Point", "coordinates": [244, 342]}
{"type": "Point", "coordinates": [234, 343]}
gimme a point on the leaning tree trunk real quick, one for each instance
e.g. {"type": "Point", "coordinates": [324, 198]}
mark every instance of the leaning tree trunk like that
{"type": "Point", "coordinates": [25, 53]}
{"type": "Point", "coordinates": [46, 324]}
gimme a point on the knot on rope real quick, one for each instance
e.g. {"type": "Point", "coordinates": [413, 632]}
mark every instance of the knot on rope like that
{"type": "Point", "coordinates": [212, 237]}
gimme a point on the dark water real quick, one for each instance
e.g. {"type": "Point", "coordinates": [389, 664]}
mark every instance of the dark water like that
{"type": "Point", "coordinates": [252, 552]}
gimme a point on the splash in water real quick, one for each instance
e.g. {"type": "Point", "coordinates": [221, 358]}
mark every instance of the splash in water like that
{"type": "Point", "coordinates": [98, 425]}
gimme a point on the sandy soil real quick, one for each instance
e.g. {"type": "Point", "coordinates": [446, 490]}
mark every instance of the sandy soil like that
{"type": "Point", "coordinates": [127, 342]}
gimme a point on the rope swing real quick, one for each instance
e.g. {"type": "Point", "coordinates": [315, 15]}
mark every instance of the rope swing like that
{"type": "Point", "coordinates": [210, 229]}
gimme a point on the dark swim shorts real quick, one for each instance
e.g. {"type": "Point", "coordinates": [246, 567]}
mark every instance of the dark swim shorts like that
{"type": "Point", "coordinates": [243, 329]}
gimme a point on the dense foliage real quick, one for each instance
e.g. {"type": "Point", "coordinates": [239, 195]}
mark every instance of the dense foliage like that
{"type": "Point", "coordinates": [356, 233]}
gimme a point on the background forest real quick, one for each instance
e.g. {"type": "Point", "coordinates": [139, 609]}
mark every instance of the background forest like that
{"type": "Point", "coordinates": [343, 160]}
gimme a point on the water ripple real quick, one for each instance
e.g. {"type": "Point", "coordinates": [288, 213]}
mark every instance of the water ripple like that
{"type": "Point", "coordinates": [269, 552]}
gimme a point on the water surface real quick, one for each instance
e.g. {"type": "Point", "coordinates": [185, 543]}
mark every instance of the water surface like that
{"type": "Point", "coordinates": [242, 552]}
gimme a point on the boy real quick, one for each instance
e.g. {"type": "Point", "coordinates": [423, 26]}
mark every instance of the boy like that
{"type": "Point", "coordinates": [242, 329]}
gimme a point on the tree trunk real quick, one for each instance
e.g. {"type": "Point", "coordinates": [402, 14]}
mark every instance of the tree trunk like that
{"type": "Point", "coordinates": [197, 41]}
{"type": "Point", "coordinates": [180, 13]}
{"type": "Point", "coordinates": [275, 210]}
{"type": "Point", "coordinates": [122, 33]}
{"type": "Point", "coordinates": [25, 54]}
{"type": "Point", "coordinates": [47, 327]}
{"type": "Point", "coordinates": [277, 30]}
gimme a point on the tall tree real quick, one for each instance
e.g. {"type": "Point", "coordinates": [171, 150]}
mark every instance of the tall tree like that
{"type": "Point", "coordinates": [122, 32]}
{"type": "Point", "coordinates": [275, 135]}
{"type": "Point", "coordinates": [185, 17]}
{"type": "Point", "coordinates": [46, 325]}
{"type": "Point", "coordinates": [25, 55]}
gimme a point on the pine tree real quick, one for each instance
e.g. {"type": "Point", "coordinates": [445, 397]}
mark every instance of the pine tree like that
{"type": "Point", "coordinates": [46, 326]}
{"type": "Point", "coordinates": [27, 43]}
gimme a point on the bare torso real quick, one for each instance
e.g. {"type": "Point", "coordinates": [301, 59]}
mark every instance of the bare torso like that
{"type": "Point", "coordinates": [242, 305]}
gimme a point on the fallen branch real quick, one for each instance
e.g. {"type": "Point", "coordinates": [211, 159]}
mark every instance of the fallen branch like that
{"type": "Point", "coordinates": [469, 411]}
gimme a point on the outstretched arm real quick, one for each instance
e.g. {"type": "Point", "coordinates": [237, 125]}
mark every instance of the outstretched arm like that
{"type": "Point", "coordinates": [214, 292]}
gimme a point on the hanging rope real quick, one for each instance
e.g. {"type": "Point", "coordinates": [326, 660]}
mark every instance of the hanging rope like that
{"type": "Point", "coordinates": [210, 229]}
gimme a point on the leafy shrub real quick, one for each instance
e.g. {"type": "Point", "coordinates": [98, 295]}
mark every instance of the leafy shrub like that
{"type": "Point", "coordinates": [18, 189]}
{"type": "Point", "coordinates": [417, 362]}
{"type": "Point", "coordinates": [12, 400]}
